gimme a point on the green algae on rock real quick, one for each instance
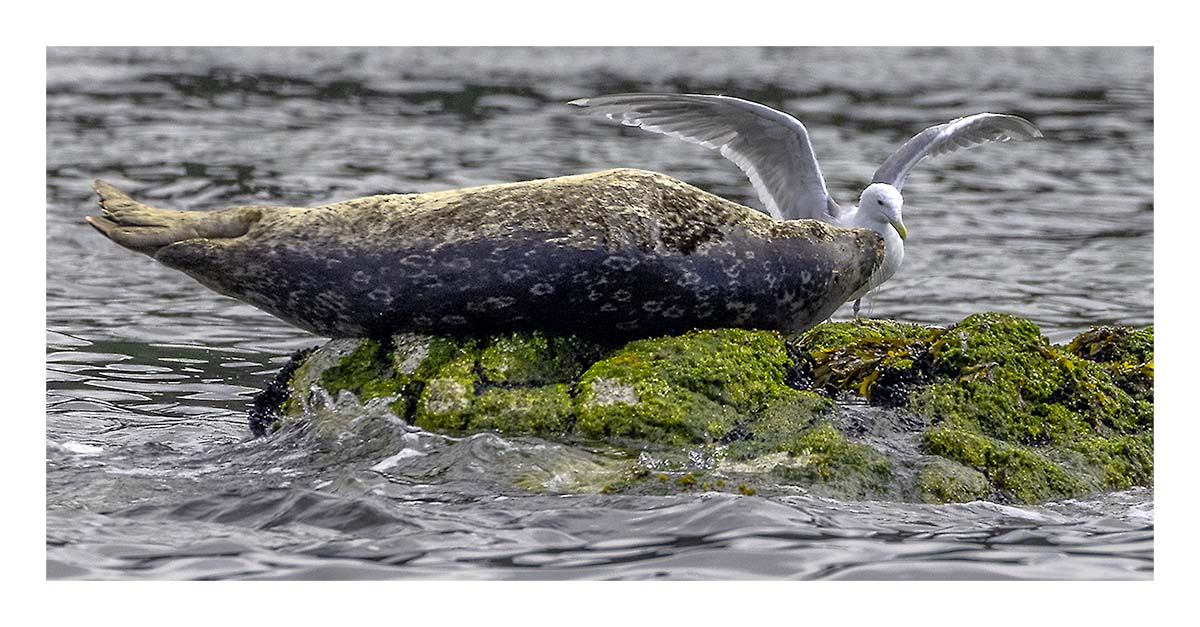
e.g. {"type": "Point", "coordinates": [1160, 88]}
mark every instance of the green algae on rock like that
{"type": "Point", "coordinates": [878, 359]}
{"type": "Point", "coordinates": [944, 481]}
{"type": "Point", "coordinates": [1038, 421]}
{"type": "Point", "coordinates": [1127, 355]}
{"type": "Point", "coordinates": [1114, 344]}
{"type": "Point", "coordinates": [689, 389]}
{"type": "Point", "coordinates": [835, 466]}
{"type": "Point", "coordinates": [988, 408]}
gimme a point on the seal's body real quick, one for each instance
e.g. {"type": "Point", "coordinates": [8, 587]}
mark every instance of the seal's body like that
{"type": "Point", "coordinates": [618, 253]}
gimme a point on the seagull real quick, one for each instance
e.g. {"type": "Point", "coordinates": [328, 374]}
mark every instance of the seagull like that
{"type": "Point", "coordinates": [774, 151]}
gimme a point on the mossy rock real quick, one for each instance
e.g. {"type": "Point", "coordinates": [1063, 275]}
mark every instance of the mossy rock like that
{"type": "Point", "coordinates": [1009, 405]}
{"type": "Point", "coordinates": [877, 359]}
{"type": "Point", "coordinates": [832, 465]}
{"type": "Point", "coordinates": [838, 335]}
{"type": "Point", "coordinates": [535, 358]}
{"type": "Point", "coordinates": [1114, 344]}
{"type": "Point", "coordinates": [780, 425]}
{"type": "Point", "coordinates": [1127, 355]}
{"type": "Point", "coordinates": [1021, 474]}
{"type": "Point", "coordinates": [690, 389]}
{"type": "Point", "coordinates": [943, 481]}
{"type": "Point", "coordinates": [446, 399]}
{"type": "Point", "coordinates": [1003, 414]}
{"type": "Point", "coordinates": [542, 410]}
{"type": "Point", "coordinates": [1037, 421]}
{"type": "Point", "coordinates": [307, 372]}
{"type": "Point", "coordinates": [1119, 462]}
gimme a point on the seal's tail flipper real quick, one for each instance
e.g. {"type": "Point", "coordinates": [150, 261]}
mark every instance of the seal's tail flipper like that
{"type": "Point", "coordinates": [147, 229]}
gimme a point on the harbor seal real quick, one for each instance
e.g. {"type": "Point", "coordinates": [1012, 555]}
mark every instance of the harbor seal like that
{"type": "Point", "coordinates": [618, 254]}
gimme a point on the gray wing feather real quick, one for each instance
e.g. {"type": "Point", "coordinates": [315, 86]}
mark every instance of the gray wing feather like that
{"type": "Point", "coordinates": [770, 146]}
{"type": "Point", "coordinates": [964, 132]}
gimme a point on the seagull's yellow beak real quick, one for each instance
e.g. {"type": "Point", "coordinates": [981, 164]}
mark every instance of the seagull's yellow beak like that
{"type": "Point", "coordinates": [899, 226]}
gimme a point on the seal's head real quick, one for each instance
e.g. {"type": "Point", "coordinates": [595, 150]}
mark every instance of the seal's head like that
{"type": "Point", "coordinates": [882, 203]}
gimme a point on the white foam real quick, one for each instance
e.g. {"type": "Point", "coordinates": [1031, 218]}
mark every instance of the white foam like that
{"type": "Point", "coordinates": [395, 460]}
{"type": "Point", "coordinates": [78, 448]}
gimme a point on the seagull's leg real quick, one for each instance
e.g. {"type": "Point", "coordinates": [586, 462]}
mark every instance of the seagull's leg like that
{"type": "Point", "coordinates": [857, 304]}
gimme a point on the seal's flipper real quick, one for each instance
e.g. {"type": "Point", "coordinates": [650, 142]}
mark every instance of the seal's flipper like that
{"type": "Point", "coordinates": [147, 229]}
{"type": "Point", "coordinates": [143, 239]}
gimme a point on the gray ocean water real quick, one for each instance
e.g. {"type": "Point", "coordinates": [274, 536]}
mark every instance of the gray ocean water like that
{"type": "Point", "coordinates": [151, 472]}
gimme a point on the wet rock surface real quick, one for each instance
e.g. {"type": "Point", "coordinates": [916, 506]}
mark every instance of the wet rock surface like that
{"type": "Point", "coordinates": [986, 409]}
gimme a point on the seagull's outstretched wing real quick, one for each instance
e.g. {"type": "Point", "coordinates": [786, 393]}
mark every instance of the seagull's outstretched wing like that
{"type": "Point", "coordinates": [964, 132]}
{"type": "Point", "coordinates": [770, 146]}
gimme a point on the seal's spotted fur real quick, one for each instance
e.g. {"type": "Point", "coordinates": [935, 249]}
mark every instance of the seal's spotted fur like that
{"type": "Point", "coordinates": [615, 253]}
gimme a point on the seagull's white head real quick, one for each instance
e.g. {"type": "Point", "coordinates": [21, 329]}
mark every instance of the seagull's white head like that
{"type": "Point", "coordinates": [885, 202]}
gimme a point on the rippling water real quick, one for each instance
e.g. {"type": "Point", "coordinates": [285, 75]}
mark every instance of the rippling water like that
{"type": "Point", "coordinates": [149, 469]}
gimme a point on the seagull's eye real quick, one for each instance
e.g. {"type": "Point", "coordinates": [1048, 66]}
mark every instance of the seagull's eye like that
{"type": "Point", "coordinates": [880, 201]}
